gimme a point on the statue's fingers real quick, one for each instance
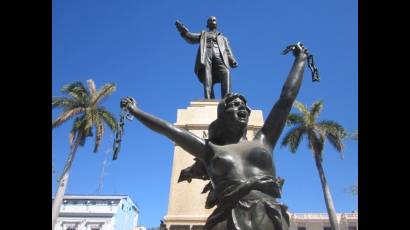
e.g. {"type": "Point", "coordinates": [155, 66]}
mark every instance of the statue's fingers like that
{"type": "Point", "coordinates": [299, 45]}
{"type": "Point", "coordinates": [288, 49]}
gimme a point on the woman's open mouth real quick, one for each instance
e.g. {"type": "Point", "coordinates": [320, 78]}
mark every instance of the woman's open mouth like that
{"type": "Point", "coordinates": [242, 114]}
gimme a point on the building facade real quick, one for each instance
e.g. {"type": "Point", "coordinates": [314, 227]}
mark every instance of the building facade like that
{"type": "Point", "coordinates": [83, 212]}
{"type": "Point", "coordinates": [299, 221]}
{"type": "Point", "coordinates": [320, 221]}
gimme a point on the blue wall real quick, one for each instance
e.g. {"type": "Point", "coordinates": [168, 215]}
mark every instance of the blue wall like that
{"type": "Point", "coordinates": [124, 218]}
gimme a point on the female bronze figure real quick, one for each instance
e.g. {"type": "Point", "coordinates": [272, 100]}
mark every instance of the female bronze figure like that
{"type": "Point", "coordinates": [244, 186]}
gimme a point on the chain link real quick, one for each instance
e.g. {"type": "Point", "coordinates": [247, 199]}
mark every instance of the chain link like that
{"type": "Point", "coordinates": [311, 64]}
{"type": "Point", "coordinates": [313, 68]}
{"type": "Point", "coordinates": [120, 129]}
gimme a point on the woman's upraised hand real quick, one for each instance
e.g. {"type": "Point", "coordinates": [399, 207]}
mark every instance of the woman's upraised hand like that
{"type": "Point", "coordinates": [128, 102]}
{"type": "Point", "coordinates": [298, 50]}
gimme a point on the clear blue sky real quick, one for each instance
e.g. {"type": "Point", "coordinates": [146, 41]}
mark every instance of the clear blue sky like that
{"type": "Point", "coordinates": [134, 44]}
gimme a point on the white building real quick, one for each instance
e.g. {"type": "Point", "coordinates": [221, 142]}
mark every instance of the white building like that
{"type": "Point", "coordinates": [140, 228]}
{"type": "Point", "coordinates": [100, 212]}
{"type": "Point", "coordinates": [300, 221]}
{"type": "Point", "coordinates": [82, 212]}
{"type": "Point", "coordinates": [320, 221]}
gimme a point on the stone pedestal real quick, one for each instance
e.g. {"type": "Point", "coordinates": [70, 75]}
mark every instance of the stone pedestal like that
{"type": "Point", "coordinates": [186, 205]}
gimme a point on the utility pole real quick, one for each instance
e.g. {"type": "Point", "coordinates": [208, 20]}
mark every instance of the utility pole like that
{"type": "Point", "coordinates": [100, 184]}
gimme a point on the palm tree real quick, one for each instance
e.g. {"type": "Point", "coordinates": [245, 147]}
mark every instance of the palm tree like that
{"type": "Point", "coordinates": [84, 105]}
{"type": "Point", "coordinates": [305, 124]}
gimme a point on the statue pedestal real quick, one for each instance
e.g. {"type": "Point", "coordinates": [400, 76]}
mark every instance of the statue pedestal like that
{"type": "Point", "coordinates": [186, 205]}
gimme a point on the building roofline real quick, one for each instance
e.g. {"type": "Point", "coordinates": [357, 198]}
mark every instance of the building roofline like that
{"type": "Point", "coordinates": [99, 197]}
{"type": "Point", "coordinates": [323, 216]}
{"type": "Point", "coordinates": [80, 196]}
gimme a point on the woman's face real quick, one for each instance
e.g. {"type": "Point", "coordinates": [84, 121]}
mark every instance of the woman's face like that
{"type": "Point", "coordinates": [237, 111]}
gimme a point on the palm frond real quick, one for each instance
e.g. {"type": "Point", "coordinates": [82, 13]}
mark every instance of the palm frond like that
{"type": "Point", "coordinates": [66, 116]}
{"type": "Point", "coordinates": [83, 139]}
{"type": "Point", "coordinates": [91, 87]}
{"type": "Point", "coordinates": [78, 91]}
{"type": "Point", "coordinates": [332, 127]}
{"type": "Point", "coordinates": [108, 118]}
{"type": "Point", "coordinates": [64, 102]}
{"type": "Point", "coordinates": [293, 137]}
{"type": "Point", "coordinates": [105, 91]}
{"type": "Point", "coordinates": [301, 107]}
{"type": "Point", "coordinates": [335, 134]}
{"type": "Point", "coordinates": [76, 128]}
{"type": "Point", "coordinates": [315, 110]}
{"type": "Point", "coordinates": [304, 113]}
{"type": "Point", "coordinates": [82, 128]}
{"type": "Point", "coordinates": [337, 143]}
{"type": "Point", "coordinates": [294, 119]}
{"type": "Point", "coordinates": [79, 122]}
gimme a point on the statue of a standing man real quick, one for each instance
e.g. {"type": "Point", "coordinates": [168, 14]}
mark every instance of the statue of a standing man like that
{"type": "Point", "coordinates": [214, 57]}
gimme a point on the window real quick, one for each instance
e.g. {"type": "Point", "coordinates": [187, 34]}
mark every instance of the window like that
{"type": "Point", "coordinates": [197, 227]}
{"type": "Point", "coordinates": [94, 226]}
{"type": "Point", "coordinates": [70, 226]}
{"type": "Point", "coordinates": [352, 228]}
{"type": "Point", "coordinates": [179, 227]}
{"type": "Point", "coordinates": [327, 228]}
{"type": "Point", "coordinates": [301, 228]}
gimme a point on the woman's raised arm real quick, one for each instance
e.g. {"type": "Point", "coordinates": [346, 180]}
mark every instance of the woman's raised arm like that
{"type": "Point", "coordinates": [187, 140]}
{"type": "Point", "coordinates": [276, 119]}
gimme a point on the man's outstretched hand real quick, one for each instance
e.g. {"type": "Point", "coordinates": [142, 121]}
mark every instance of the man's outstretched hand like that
{"type": "Point", "coordinates": [180, 27]}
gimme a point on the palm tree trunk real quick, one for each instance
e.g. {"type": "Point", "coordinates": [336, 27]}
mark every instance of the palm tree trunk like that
{"type": "Point", "coordinates": [58, 200]}
{"type": "Point", "coordinates": [328, 196]}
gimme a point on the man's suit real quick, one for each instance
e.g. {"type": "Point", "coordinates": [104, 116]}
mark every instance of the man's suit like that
{"type": "Point", "coordinates": [212, 68]}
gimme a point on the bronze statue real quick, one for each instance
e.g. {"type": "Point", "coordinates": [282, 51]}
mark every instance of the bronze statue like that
{"type": "Point", "coordinates": [214, 57]}
{"type": "Point", "coordinates": [244, 186]}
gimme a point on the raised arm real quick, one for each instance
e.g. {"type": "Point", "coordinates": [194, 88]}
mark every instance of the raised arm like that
{"type": "Point", "coordinates": [191, 38]}
{"type": "Point", "coordinates": [276, 119]}
{"type": "Point", "coordinates": [187, 140]}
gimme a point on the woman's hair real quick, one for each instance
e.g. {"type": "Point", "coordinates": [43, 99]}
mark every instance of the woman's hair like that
{"type": "Point", "coordinates": [217, 129]}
